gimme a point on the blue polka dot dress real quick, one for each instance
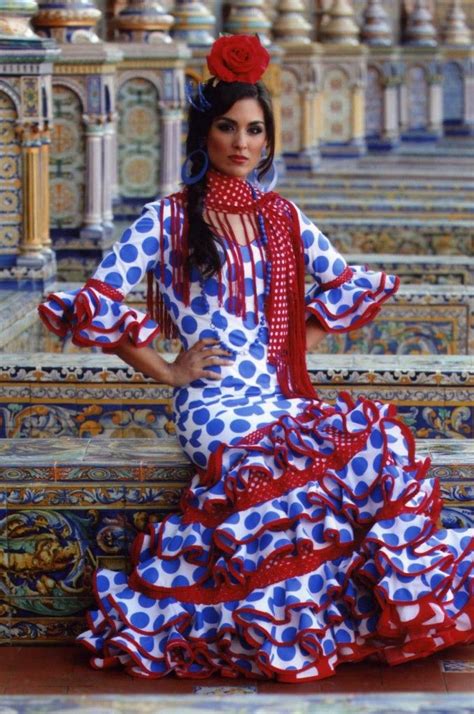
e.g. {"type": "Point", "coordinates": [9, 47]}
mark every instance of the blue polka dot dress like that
{"type": "Point", "coordinates": [307, 536]}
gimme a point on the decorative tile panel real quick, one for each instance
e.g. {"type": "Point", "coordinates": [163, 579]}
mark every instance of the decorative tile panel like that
{"type": "Point", "coordinates": [67, 160]}
{"type": "Point", "coordinates": [417, 87]}
{"type": "Point", "coordinates": [374, 111]}
{"type": "Point", "coordinates": [138, 139]}
{"type": "Point", "coordinates": [453, 92]}
{"type": "Point", "coordinates": [56, 395]}
{"type": "Point", "coordinates": [337, 107]}
{"type": "Point", "coordinates": [290, 112]}
{"type": "Point", "coordinates": [10, 178]}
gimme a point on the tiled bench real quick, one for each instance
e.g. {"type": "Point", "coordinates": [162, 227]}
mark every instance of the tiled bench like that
{"type": "Point", "coordinates": [68, 505]}
{"type": "Point", "coordinates": [56, 395]}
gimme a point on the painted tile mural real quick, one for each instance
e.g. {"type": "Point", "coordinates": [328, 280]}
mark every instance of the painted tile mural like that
{"type": "Point", "coordinates": [453, 92]}
{"type": "Point", "coordinates": [56, 396]}
{"type": "Point", "coordinates": [10, 177]}
{"type": "Point", "coordinates": [374, 111]}
{"type": "Point", "coordinates": [337, 112]}
{"type": "Point", "coordinates": [417, 87]}
{"type": "Point", "coordinates": [290, 111]}
{"type": "Point", "coordinates": [67, 160]}
{"type": "Point", "coordinates": [138, 138]}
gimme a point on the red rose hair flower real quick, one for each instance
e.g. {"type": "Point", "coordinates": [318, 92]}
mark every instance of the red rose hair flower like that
{"type": "Point", "coordinates": [238, 58]}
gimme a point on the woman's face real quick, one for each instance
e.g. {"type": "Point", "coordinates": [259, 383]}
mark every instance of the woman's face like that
{"type": "Point", "coordinates": [236, 139]}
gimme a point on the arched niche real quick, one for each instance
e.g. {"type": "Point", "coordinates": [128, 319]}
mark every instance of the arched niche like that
{"type": "Point", "coordinates": [453, 94]}
{"type": "Point", "coordinates": [374, 103]}
{"type": "Point", "coordinates": [67, 162]}
{"type": "Point", "coordinates": [139, 139]}
{"type": "Point", "coordinates": [417, 96]}
{"type": "Point", "coordinates": [11, 204]}
{"type": "Point", "coordinates": [291, 127]}
{"type": "Point", "coordinates": [337, 110]}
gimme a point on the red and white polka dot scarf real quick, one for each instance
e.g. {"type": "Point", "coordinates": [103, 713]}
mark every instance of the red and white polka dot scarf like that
{"type": "Point", "coordinates": [285, 308]}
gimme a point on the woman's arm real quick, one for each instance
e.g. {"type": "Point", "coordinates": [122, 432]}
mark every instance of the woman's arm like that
{"type": "Point", "coordinates": [314, 333]}
{"type": "Point", "coordinates": [188, 366]}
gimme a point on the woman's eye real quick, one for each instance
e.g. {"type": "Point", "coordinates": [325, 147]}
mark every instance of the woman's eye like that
{"type": "Point", "coordinates": [224, 127]}
{"type": "Point", "coordinates": [256, 130]}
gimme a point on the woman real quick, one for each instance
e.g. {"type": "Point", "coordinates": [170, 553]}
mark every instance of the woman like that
{"type": "Point", "coordinates": [307, 536]}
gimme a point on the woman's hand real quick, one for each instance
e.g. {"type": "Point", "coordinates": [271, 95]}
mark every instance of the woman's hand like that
{"type": "Point", "coordinates": [195, 362]}
{"type": "Point", "coordinates": [314, 333]}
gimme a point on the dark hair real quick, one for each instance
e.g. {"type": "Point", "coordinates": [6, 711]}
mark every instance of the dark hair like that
{"type": "Point", "coordinates": [221, 96]}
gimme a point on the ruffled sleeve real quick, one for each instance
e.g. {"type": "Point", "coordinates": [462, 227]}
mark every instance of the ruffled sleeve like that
{"type": "Point", "coordinates": [95, 315]}
{"type": "Point", "coordinates": [343, 297]}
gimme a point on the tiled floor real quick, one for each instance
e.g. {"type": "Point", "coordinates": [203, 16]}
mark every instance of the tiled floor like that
{"type": "Point", "coordinates": [65, 670]}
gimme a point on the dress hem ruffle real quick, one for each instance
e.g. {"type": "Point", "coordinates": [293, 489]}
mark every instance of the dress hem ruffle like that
{"type": "Point", "coordinates": [341, 584]}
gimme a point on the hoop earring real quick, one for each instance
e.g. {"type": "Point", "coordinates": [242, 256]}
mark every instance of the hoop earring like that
{"type": "Point", "coordinates": [186, 177]}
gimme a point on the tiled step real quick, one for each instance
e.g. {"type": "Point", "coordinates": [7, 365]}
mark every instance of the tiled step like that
{"type": "Point", "coordinates": [68, 505]}
{"type": "Point", "coordinates": [445, 270]}
{"type": "Point", "coordinates": [46, 395]}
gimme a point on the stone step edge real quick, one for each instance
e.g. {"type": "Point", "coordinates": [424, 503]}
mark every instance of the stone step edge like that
{"type": "Point", "coordinates": [167, 452]}
{"type": "Point", "coordinates": [325, 369]}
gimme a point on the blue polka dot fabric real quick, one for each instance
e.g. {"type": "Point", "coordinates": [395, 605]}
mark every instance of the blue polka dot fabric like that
{"type": "Point", "coordinates": [307, 536]}
{"type": "Point", "coordinates": [98, 318]}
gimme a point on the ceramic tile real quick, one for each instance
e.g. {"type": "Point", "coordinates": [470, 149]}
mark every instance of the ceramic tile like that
{"type": "Point", "coordinates": [244, 704]}
{"type": "Point", "coordinates": [222, 691]}
{"type": "Point", "coordinates": [457, 665]}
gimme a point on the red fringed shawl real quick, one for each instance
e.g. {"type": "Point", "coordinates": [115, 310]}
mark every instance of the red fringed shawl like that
{"type": "Point", "coordinates": [285, 305]}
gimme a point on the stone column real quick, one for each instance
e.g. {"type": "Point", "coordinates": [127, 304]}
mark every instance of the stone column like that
{"type": "Point", "coordinates": [403, 104]}
{"type": "Point", "coordinates": [170, 159]}
{"type": "Point", "coordinates": [44, 187]}
{"type": "Point", "coordinates": [114, 180]}
{"type": "Point", "coordinates": [391, 110]}
{"type": "Point", "coordinates": [435, 101]}
{"type": "Point", "coordinates": [108, 171]}
{"type": "Point", "coordinates": [358, 114]}
{"type": "Point", "coordinates": [94, 166]}
{"type": "Point", "coordinates": [31, 243]}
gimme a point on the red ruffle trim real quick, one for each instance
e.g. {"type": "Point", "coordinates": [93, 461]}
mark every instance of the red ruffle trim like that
{"type": "Point", "coordinates": [79, 317]}
{"type": "Point", "coordinates": [368, 315]}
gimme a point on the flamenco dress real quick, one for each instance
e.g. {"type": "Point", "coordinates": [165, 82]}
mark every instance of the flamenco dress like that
{"type": "Point", "coordinates": [308, 534]}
